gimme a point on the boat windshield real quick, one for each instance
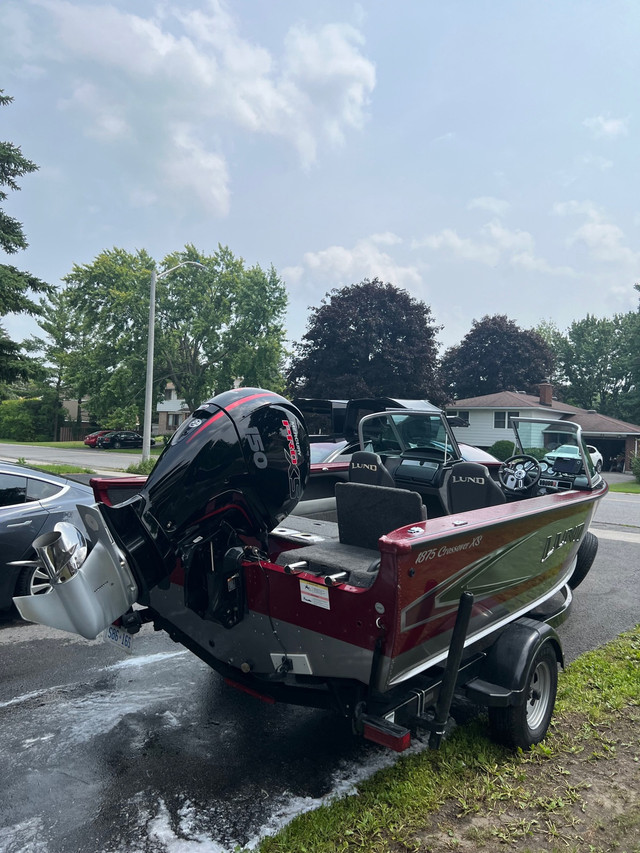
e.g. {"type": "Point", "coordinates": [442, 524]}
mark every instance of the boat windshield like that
{"type": "Point", "coordinates": [557, 445]}
{"type": "Point", "coordinates": [399, 432]}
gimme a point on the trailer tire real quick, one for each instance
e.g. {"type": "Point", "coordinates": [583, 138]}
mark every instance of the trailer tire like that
{"type": "Point", "coordinates": [526, 723]}
{"type": "Point", "coordinates": [586, 555]}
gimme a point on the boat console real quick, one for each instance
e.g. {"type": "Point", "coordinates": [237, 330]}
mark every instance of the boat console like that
{"type": "Point", "coordinates": [420, 452]}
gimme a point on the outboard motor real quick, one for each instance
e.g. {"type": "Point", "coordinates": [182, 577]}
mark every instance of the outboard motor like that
{"type": "Point", "coordinates": [234, 469]}
{"type": "Point", "coordinates": [230, 473]}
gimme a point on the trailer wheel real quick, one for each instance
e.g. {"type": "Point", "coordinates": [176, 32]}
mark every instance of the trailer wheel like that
{"type": "Point", "coordinates": [526, 723]}
{"type": "Point", "coordinates": [586, 555]}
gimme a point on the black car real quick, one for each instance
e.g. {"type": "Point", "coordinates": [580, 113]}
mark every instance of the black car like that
{"type": "Point", "coordinates": [32, 503]}
{"type": "Point", "coordinates": [121, 438]}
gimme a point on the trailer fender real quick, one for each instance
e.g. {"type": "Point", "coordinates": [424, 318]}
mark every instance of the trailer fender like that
{"type": "Point", "coordinates": [506, 670]}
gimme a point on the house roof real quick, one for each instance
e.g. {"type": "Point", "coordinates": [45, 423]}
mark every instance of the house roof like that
{"type": "Point", "coordinates": [590, 421]}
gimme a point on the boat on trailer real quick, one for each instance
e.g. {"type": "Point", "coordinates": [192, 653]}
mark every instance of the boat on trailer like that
{"type": "Point", "coordinates": [427, 579]}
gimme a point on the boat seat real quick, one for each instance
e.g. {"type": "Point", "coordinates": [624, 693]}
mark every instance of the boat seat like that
{"type": "Point", "coordinates": [366, 512]}
{"type": "Point", "coordinates": [468, 486]}
{"type": "Point", "coordinates": [368, 468]}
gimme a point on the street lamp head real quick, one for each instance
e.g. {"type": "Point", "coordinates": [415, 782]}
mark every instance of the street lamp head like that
{"type": "Point", "coordinates": [177, 267]}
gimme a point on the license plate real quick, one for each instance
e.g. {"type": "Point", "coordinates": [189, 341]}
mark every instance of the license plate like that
{"type": "Point", "coordinates": [120, 638]}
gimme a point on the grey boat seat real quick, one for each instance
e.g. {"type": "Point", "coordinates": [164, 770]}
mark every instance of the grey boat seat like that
{"type": "Point", "coordinates": [368, 468]}
{"type": "Point", "coordinates": [468, 486]}
{"type": "Point", "coordinates": [365, 513]}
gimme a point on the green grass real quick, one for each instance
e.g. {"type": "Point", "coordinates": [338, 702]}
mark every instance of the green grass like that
{"type": "Point", "coordinates": [60, 470]}
{"type": "Point", "coordinates": [67, 445]}
{"type": "Point", "coordinates": [79, 445]}
{"type": "Point", "coordinates": [523, 794]}
{"type": "Point", "coordinates": [631, 488]}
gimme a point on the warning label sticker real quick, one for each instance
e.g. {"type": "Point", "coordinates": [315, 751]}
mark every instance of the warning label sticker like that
{"type": "Point", "coordinates": [313, 593]}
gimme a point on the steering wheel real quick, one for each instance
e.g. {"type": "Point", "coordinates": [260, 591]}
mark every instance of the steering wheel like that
{"type": "Point", "coordinates": [519, 473]}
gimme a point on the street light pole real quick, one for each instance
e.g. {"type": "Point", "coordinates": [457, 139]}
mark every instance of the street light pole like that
{"type": "Point", "coordinates": [148, 397]}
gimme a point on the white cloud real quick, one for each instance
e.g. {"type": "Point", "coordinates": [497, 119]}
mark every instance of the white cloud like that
{"type": "Point", "coordinates": [141, 197]}
{"type": "Point", "coordinates": [500, 245]}
{"type": "Point", "coordinates": [106, 120]}
{"type": "Point", "coordinates": [601, 126]}
{"type": "Point", "coordinates": [604, 240]}
{"type": "Point", "coordinates": [596, 161]}
{"type": "Point", "coordinates": [337, 266]}
{"type": "Point", "coordinates": [586, 208]}
{"type": "Point", "coordinates": [507, 240]}
{"type": "Point", "coordinates": [497, 206]}
{"type": "Point", "coordinates": [309, 96]}
{"type": "Point", "coordinates": [529, 262]}
{"type": "Point", "coordinates": [449, 136]}
{"type": "Point", "coordinates": [193, 170]}
{"type": "Point", "coordinates": [468, 250]}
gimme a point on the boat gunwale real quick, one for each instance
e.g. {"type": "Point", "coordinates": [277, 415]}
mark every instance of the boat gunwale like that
{"type": "Point", "coordinates": [463, 522]}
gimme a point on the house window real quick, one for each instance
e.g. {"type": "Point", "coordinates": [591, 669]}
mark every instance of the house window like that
{"type": "Point", "coordinates": [500, 419]}
{"type": "Point", "coordinates": [168, 393]}
{"type": "Point", "coordinates": [174, 420]}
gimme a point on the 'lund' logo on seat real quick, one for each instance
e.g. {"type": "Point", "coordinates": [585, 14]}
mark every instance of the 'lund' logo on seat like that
{"type": "Point", "coordinates": [364, 465]}
{"type": "Point", "coordinates": [479, 481]}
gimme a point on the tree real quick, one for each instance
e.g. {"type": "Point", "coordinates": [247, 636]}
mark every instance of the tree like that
{"type": "Point", "coordinates": [59, 350]}
{"type": "Point", "coordinates": [14, 284]}
{"type": "Point", "coordinates": [496, 355]}
{"type": "Point", "coordinates": [556, 341]}
{"type": "Point", "coordinates": [109, 303]}
{"type": "Point", "coordinates": [220, 325]}
{"type": "Point", "coordinates": [211, 326]}
{"type": "Point", "coordinates": [253, 343]}
{"type": "Point", "coordinates": [594, 360]}
{"type": "Point", "coordinates": [368, 339]}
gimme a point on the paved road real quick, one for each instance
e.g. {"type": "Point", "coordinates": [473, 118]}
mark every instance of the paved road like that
{"type": "Point", "coordinates": [154, 753]}
{"type": "Point", "coordinates": [108, 460]}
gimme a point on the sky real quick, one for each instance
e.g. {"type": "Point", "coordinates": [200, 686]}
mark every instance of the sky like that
{"type": "Point", "coordinates": [481, 154]}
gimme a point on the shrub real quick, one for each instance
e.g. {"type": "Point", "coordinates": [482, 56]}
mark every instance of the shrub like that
{"type": "Point", "coordinates": [635, 467]}
{"type": "Point", "coordinates": [502, 449]}
{"type": "Point", "coordinates": [537, 452]}
{"type": "Point", "coordinates": [29, 419]}
{"type": "Point", "coordinates": [142, 467]}
{"type": "Point", "coordinates": [16, 422]}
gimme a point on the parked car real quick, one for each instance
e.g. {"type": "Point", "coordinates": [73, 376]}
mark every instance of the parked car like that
{"type": "Point", "coordinates": [572, 450]}
{"type": "Point", "coordinates": [91, 440]}
{"type": "Point", "coordinates": [596, 457]}
{"type": "Point", "coordinates": [32, 503]}
{"type": "Point", "coordinates": [121, 438]}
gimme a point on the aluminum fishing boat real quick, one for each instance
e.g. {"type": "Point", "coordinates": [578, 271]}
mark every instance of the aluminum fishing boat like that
{"type": "Point", "coordinates": [426, 578]}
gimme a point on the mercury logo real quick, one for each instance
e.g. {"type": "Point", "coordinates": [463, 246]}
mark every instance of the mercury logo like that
{"type": "Point", "coordinates": [291, 453]}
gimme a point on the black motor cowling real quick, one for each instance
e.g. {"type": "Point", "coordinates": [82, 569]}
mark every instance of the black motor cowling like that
{"type": "Point", "coordinates": [241, 459]}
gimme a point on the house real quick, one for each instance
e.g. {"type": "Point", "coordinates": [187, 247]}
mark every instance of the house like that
{"type": "Point", "coordinates": [171, 411]}
{"type": "Point", "coordinates": [488, 419]}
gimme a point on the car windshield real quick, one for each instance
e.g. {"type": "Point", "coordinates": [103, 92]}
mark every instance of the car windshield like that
{"type": "Point", "coordinates": [322, 451]}
{"type": "Point", "coordinates": [398, 432]}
